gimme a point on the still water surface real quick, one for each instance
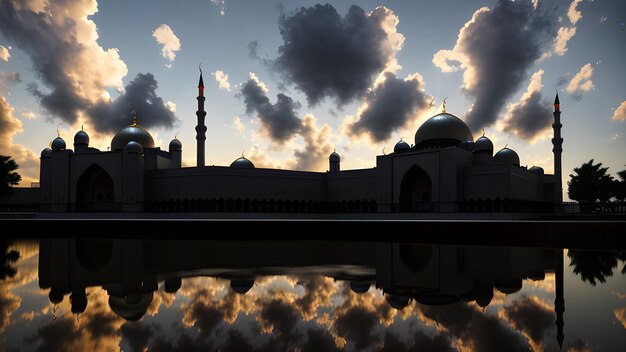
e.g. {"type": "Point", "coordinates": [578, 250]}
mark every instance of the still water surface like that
{"type": "Point", "coordinates": [108, 295]}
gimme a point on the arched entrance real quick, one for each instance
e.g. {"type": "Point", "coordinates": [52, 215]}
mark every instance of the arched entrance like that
{"type": "Point", "coordinates": [416, 191]}
{"type": "Point", "coordinates": [94, 190]}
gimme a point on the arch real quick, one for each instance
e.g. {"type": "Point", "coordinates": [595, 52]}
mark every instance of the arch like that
{"type": "Point", "coordinates": [416, 190]}
{"type": "Point", "coordinates": [95, 190]}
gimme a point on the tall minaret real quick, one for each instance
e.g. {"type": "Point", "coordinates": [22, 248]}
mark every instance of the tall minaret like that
{"type": "Point", "coordinates": [200, 128]}
{"type": "Point", "coordinates": [559, 300]}
{"type": "Point", "coordinates": [557, 142]}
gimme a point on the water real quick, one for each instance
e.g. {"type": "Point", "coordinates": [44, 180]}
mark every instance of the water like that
{"type": "Point", "coordinates": [77, 295]}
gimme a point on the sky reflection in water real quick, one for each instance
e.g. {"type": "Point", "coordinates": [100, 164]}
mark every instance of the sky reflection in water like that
{"type": "Point", "coordinates": [105, 295]}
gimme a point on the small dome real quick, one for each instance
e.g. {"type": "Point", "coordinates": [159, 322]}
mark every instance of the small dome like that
{"type": "Point", "coordinates": [484, 145]}
{"type": "Point", "coordinates": [173, 284]}
{"type": "Point", "coordinates": [442, 129]}
{"type": "Point", "coordinates": [360, 286]}
{"type": "Point", "coordinates": [175, 145]}
{"type": "Point", "coordinates": [334, 157]}
{"type": "Point", "coordinates": [397, 301]}
{"type": "Point", "coordinates": [58, 144]}
{"type": "Point", "coordinates": [509, 286]}
{"type": "Point", "coordinates": [81, 138]}
{"type": "Point", "coordinates": [241, 286]}
{"type": "Point", "coordinates": [536, 170]}
{"type": "Point", "coordinates": [132, 133]}
{"type": "Point", "coordinates": [242, 163]}
{"type": "Point", "coordinates": [133, 147]}
{"type": "Point", "coordinates": [131, 308]}
{"type": "Point", "coordinates": [401, 147]}
{"type": "Point", "coordinates": [46, 153]}
{"type": "Point", "coordinates": [78, 301]}
{"type": "Point", "coordinates": [506, 156]}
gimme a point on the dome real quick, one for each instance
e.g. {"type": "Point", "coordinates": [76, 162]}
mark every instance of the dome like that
{"type": "Point", "coordinates": [241, 286]}
{"type": "Point", "coordinates": [133, 147]}
{"type": "Point", "coordinates": [442, 129]}
{"type": "Point", "coordinates": [81, 138]}
{"type": "Point", "coordinates": [132, 133]}
{"type": "Point", "coordinates": [536, 170]}
{"type": "Point", "coordinates": [175, 145]}
{"type": "Point", "coordinates": [506, 156]}
{"type": "Point", "coordinates": [242, 163]}
{"type": "Point", "coordinates": [397, 301]}
{"type": "Point", "coordinates": [58, 144]}
{"type": "Point", "coordinates": [509, 286]}
{"type": "Point", "coordinates": [173, 284]}
{"type": "Point", "coordinates": [131, 309]}
{"type": "Point", "coordinates": [401, 147]}
{"type": "Point", "coordinates": [46, 153]}
{"type": "Point", "coordinates": [360, 286]}
{"type": "Point", "coordinates": [78, 301]}
{"type": "Point", "coordinates": [334, 157]}
{"type": "Point", "coordinates": [483, 144]}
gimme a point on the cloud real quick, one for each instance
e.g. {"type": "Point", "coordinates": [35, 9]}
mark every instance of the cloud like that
{"type": "Point", "coordinates": [531, 316]}
{"type": "Point", "coordinates": [620, 315]}
{"type": "Point", "coordinates": [326, 55]}
{"type": "Point", "coordinates": [532, 115]}
{"type": "Point", "coordinates": [4, 53]}
{"type": "Point", "coordinates": [137, 335]}
{"type": "Point", "coordinates": [151, 110]}
{"type": "Point", "coordinates": [357, 324]}
{"type": "Point", "coordinates": [7, 79]}
{"type": "Point", "coordinates": [278, 120]}
{"type": "Point", "coordinates": [166, 37]}
{"type": "Point", "coordinates": [221, 4]}
{"type": "Point", "coordinates": [61, 42]}
{"type": "Point", "coordinates": [314, 155]}
{"type": "Point", "coordinates": [26, 158]}
{"type": "Point", "coordinates": [579, 345]}
{"type": "Point", "coordinates": [28, 115]}
{"type": "Point", "coordinates": [572, 12]}
{"type": "Point", "coordinates": [239, 126]}
{"type": "Point", "coordinates": [392, 104]}
{"type": "Point", "coordinates": [222, 80]}
{"type": "Point", "coordinates": [171, 106]}
{"type": "Point", "coordinates": [495, 49]}
{"type": "Point", "coordinates": [559, 45]}
{"type": "Point", "coordinates": [620, 112]}
{"type": "Point", "coordinates": [253, 49]}
{"type": "Point", "coordinates": [581, 82]}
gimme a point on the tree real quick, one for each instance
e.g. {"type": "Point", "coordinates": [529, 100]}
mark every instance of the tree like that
{"type": "Point", "coordinates": [620, 188]}
{"type": "Point", "coordinates": [595, 266]}
{"type": "Point", "coordinates": [8, 176]}
{"type": "Point", "coordinates": [590, 183]}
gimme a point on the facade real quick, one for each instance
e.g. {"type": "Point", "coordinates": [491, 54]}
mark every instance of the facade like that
{"type": "Point", "coordinates": [445, 170]}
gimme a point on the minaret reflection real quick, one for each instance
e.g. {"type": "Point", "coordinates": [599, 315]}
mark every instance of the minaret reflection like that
{"type": "Point", "coordinates": [130, 270]}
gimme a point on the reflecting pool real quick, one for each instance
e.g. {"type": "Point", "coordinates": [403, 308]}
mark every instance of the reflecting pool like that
{"type": "Point", "coordinates": [164, 295]}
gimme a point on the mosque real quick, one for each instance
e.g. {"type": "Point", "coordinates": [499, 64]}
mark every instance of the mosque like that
{"type": "Point", "coordinates": [444, 171]}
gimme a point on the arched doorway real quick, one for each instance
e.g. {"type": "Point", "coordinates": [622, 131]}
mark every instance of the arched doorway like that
{"type": "Point", "coordinates": [94, 190]}
{"type": "Point", "coordinates": [416, 191]}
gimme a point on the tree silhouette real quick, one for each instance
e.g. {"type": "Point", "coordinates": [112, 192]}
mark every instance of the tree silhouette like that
{"type": "Point", "coordinates": [592, 265]}
{"type": "Point", "coordinates": [620, 187]}
{"type": "Point", "coordinates": [589, 184]}
{"type": "Point", "coordinates": [7, 258]}
{"type": "Point", "coordinates": [8, 176]}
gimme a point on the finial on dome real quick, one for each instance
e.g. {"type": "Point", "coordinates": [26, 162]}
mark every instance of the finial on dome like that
{"type": "Point", "coordinates": [483, 132]}
{"type": "Point", "coordinates": [176, 135]}
{"type": "Point", "coordinates": [134, 109]}
{"type": "Point", "coordinates": [384, 150]}
{"type": "Point", "coordinates": [506, 145]}
{"type": "Point", "coordinates": [59, 131]}
{"type": "Point", "coordinates": [443, 109]}
{"type": "Point", "coordinates": [242, 154]}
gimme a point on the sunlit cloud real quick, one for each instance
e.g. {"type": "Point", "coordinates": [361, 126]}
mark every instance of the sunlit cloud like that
{"type": "Point", "coordinates": [222, 80]}
{"type": "Point", "coordinates": [581, 82]}
{"type": "Point", "coordinates": [620, 113]}
{"type": "Point", "coordinates": [170, 42]}
{"type": "Point", "coordinates": [4, 53]}
{"type": "Point", "coordinates": [573, 14]}
{"type": "Point", "coordinates": [25, 157]}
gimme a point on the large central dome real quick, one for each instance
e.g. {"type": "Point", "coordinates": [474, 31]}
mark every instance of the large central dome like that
{"type": "Point", "coordinates": [132, 133]}
{"type": "Point", "coordinates": [441, 130]}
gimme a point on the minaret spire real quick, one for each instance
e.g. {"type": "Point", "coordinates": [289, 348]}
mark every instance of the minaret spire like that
{"type": "Point", "coordinates": [557, 142]}
{"type": "Point", "coordinates": [200, 128]}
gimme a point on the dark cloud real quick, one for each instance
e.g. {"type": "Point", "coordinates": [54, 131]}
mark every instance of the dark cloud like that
{"type": "Point", "coordinates": [7, 79]}
{"type": "Point", "coordinates": [358, 325]}
{"type": "Point", "coordinates": [420, 341]}
{"type": "Point", "coordinates": [484, 332]}
{"type": "Point", "coordinates": [562, 81]}
{"type": "Point", "coordinates": [184, 343]}
{"type": "Point", "coordinates": [280, 119]}
{"type": "Point", "coordinates": [326, 55]}
{"type": "Point", "coordinates": [235, 342]}
{"type": "Point", "coordinates": [578, 345]}
{"type": "Point", "coordinates": [253, 49]}
{"type": "Point", "coordinates": [75, 71]}
{"type": "Point", "coordinates": [151, 110]}
{"type": "Point", "coordinates": [206, 317]}
{"type": "Point", "coordinates": [137, 335]}
{"type": "Point", "coordinates": [528, 315]}
{"type": "Point", "coordinates": [497, 48]}
{"type": "Point", "coordinates": [319, 340]}
{"type": "Point", "coordinates": [529, 117]}
{"type": "Point", "coordinates": [390, 105]}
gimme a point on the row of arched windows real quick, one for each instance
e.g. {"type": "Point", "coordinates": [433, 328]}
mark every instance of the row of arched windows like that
{"type": "Point", "coordinates": [261, 206]}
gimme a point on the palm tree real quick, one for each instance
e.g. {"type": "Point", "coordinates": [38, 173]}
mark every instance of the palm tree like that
{"type": "Point", "coordinates": [590, 183]}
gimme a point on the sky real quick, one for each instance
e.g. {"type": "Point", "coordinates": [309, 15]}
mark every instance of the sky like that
{"type": "Point", "coordinates": [288, 82]}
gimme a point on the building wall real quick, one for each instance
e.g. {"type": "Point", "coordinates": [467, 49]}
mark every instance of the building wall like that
{"type": "Point", "coordinates": [352, 185]}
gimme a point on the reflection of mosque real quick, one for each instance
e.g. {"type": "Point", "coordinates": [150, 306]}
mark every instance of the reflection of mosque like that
{"type": "Point", "coordinates": [130, 270]}
{"type": "Point", "coordinates": [445, 170]}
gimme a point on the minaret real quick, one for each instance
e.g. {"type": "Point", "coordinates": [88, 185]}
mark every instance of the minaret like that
{"type": "Point", "coordinates": [200, 128]}
{"type": "Point", "coordinates": [559, 300]}
{"type": "Point", "coordinates": [557, 142]}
